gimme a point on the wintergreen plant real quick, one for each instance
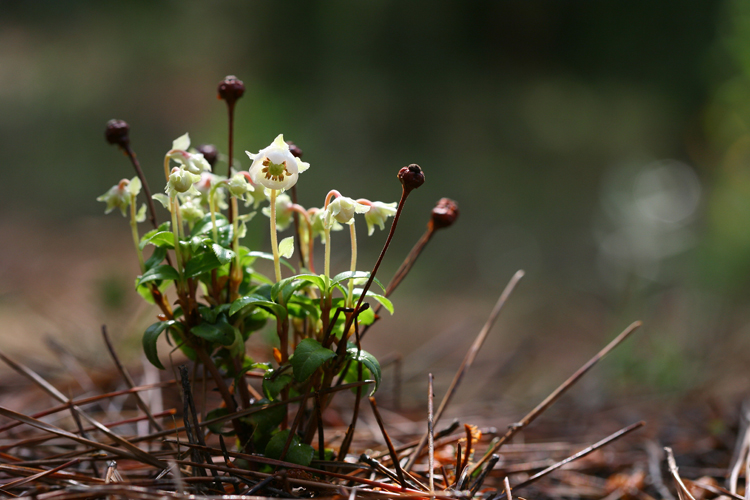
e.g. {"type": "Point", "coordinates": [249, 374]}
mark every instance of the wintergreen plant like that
{"type": "Point", "coordinates": [196, 261]}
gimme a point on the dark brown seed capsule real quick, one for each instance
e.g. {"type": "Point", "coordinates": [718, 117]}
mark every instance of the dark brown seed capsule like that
{"type": "Point", "coordinates": [210, 153]}
{"type": "Point", "coordinates": [294, 149]}
{"type": "Point", "coordinates": [411, 177]}
{"type": "Point", "coordinates": [117, 133]}
{"type": "Point", "coordinates": [231, 89]}
{"type": "Point", "coordinates": [444, 214]}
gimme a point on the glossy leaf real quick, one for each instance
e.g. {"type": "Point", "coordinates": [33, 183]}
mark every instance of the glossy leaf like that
{"type": "Point", "coordinates": [220, 332]}
{"type": "Point", "coordinates": [201, 263]}
{"type": "Point", "coordinates": [268, 256]}
{"type": "Point", "coordinates": [354, 275]}
{"type": "Point", "coordinates": [242, 302]}
{"type": "Point", "coordinates": [160, 239]}
{"type": "Point", "coordinates": [308, 357]}
{"type": "Point", "coordinates": [369, 361]}
{"type": "Point", "coordinates": [380, 298]}
{"type": "Point", "coordinates": [162, 272]}
{"type": "Point", "coordinates": [272, 388]}
{"type": "Point", "coordinates": [149, 341]}
{"type": "Point", "coordinates": [297, 453]}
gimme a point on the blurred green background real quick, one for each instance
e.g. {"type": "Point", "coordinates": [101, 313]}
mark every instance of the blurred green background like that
{"type": "Point", "coordinates": [603, 147]}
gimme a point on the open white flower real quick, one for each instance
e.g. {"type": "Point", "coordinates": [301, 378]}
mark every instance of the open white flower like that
{"type": "Point", "coordinates": [275, 167]}
{"type": "Point", "coordinates": [378, 213]}
{"type": "Point", "coordinates": [342, 210]}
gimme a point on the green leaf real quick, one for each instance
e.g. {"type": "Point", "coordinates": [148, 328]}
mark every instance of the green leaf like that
{"type": "Point", "coordinates": [201, 263]}
{"type": "Point", "coordinates": [160, 239]}
{"type": "Point", "coordinates": [162, 272]}
{"type": "Point", "coordinates": [297, 453]}
{"type": "Point", "coordinates": [164, 226]}
{"type": "Point", "coordinates": [149, 341]}
{"type": "Point", "coordinates": [301, 307]}
{"type": "Point", "coordinates": [272, 388]}
{"type": "Point", "coordinates": [242, 302]}
{"type": "Point", "coordinates": [286, 247]}
{"type": "Point", "coordinates": [380, 298]}
{"type": "Point", "coordinates": [206, 225]}
{"type": "Point", "coordinates": [369, 361]}
{"type": "Point", "coordinates": [318, 281]}
{"type": "Point", "coordinates": [220, 332]}
{"type": "Point", "coordinates": [354, 275]}
{"type": "Point", "coordinates": [218, 428]}
{"type": "Point", "coordinates": [268, 256]}
{"type": "Point", "coordinates": [223, 254]}
{"type": "Point", "coordinates": [308, 357]}
{"type": "Point", "coordinates": [156, 258]}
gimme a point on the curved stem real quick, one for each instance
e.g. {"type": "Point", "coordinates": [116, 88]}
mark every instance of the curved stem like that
{"type": "Point", "coordinates": [353, 267]}
{"type": "Point", "coordinates": [327, 262]}
{"type": "Point", "coordinates": [146, 191]}
{"type": "Point", "coordinates": [166, 166]}
{"type": "Point", "coordinates": [136, 237]}
{"type": "Point", "coordinates": [402, 201]}
{"type": "Point", "coordinates": [173, 208]}
{"type": "Point", "coordinates": [212, 209]}
{"type": "Point", "coordinates": [274, 238]}
{"type": "Point", "coordinates": [230, 108]}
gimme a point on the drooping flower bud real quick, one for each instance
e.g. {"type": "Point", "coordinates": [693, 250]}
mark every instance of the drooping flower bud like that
{"type": "Point", "coordinates": [377, 215]}
{"type": "Point", "coordinates": [411, 177]}
{"type": "Point", "coordinates": [210, 153]}
{"type": "Point", "coordinates": [180, 181]}
{"type": "Point", "coordinates": [239, 186]}
{"type": "Point", "coordinates": [117, 133]}
{"type": "Point", "coordinates": [284, 211]}
{"type": "Point", "coordinates": [342, 210]}
{"type": "Point", "coordinates": [231, 89]}
{"type": "Point", "coordinates": [118, 196]}
{"type": "Point", "coordinates": [444, 214]}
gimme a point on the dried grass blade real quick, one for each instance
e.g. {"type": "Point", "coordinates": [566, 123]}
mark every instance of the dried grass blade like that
{"type": "Point", "coordinates": [52, 391]}
{"type": "Point", "coordinates": [467, 362]}
{"type": "Point", "coordinates": [612, 437]}
{"type": "Point", "coordinates": [682, 491]}
{"type": "Point", "coordinates": [128, 379]}
{"type": "Point", "coordinates": [93, 444]}
{"type": "Point", "coordinates": [533, 414]}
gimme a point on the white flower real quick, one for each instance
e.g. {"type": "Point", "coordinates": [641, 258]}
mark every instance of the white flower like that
{"type": "Point", "coordinates": [207, 180]}
{"type": "Point", "coordinates": [342, 209]}
{"type": "Point", "coordinates": [191, 211]}
{"type": "Point", "coordinates": [239, 186]}
{"type": "Point", "coordinates": [284, 212]}
{"type": "Point", "coordinates": [118, 196]}
{"type": "Point", "coordinates": [193, 162]}
{"type": "Point", "coordinates": [317, 218]}
{"type": "Point", "coordinates": [275, 167]}
{"type": "Point", "coordinates": [378, 213]}
{"type": "Point", "coordinates": [180, 181]}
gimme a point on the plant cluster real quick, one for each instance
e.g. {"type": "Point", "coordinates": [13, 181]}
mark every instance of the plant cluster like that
{"type": "Point", "coordinates": [222, 297]}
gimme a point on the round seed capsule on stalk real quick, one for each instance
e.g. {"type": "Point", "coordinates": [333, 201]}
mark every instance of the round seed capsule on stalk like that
{"type": "Point", "coordinates": [117, 133]}
{"type": "Point", "coordinates": [444, 214]}
{"type": "Point", "coordinates": [231, 89]}
{"type": "Point", "coordinates": [411, 176]}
